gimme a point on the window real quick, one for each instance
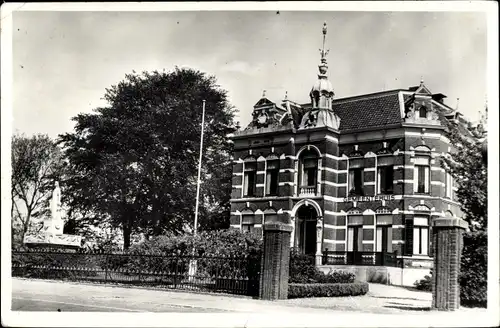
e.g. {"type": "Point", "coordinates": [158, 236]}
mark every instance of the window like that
{"type": "Point", "coordinates": [250, 180]}
{"type": "Point", "coordinates": [355, 238]}
{"type": "Point", "coordinates": [448, 185]}
{"type": "Point", "coordinates": [383, 242]}
{"type": "Point", "coordinates": [272, 176]}
{"type": "Point", "coordinates": [386, 180]}
{"type": "Point", "coordinates": [248, 227]}
{"type": "Point", "coordinates": [310, 172]}
{"type": "Point", "coordinates": [421, 236]}
{"type": "Point", "coordinates": [422, 112]}
{"type": "Point", "coordinates": [356, 182]}
{"type": "Point", "coordinates": [421, 175]}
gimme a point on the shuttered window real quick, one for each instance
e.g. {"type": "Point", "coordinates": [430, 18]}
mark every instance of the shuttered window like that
{"type": "Point", "coordinates": [409, 237]}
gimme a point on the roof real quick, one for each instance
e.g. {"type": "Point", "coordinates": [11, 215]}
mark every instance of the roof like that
{"type": "Point", "coordinates": [368, 111]}
{"type": "Point", "coordinates": [373, 110]}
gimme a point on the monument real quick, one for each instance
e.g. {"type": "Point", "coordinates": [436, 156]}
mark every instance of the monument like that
{"type": "Point", "coordinates": [51, 235]}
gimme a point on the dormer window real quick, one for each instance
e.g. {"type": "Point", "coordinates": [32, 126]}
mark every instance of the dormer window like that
{"type": "Point", "coordinates": [422, 112]}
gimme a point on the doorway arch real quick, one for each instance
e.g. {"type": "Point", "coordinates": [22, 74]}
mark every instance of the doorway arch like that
{"type": "Point", "coordinates": [307, 214]}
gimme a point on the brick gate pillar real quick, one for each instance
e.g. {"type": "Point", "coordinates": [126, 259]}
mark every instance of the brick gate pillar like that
{"type": "Point", "coordinates": [275, 262]}
{"type": "Point", "coordinates": [447, 242]}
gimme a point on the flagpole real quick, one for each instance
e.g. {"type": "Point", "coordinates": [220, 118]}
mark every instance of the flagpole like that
{"type": "Point", "coordinates": [199, 170]}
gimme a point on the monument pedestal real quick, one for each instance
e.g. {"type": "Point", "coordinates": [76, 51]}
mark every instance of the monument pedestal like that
{"type": "Point", "coordinates": [51, 236]}
{"type": "Point", "coordinates": [50, 240]}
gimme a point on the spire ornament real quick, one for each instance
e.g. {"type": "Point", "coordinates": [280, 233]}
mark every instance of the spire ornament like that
{"type": "Point", "coordinates": [321, 113]}
{"type": "Point", "coordinates": [323, 67]}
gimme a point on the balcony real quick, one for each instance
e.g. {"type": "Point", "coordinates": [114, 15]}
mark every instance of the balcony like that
{"type": "Point", "coordinates": [307, 191]}
{"type": "Point", "coordinates": [361, 258]}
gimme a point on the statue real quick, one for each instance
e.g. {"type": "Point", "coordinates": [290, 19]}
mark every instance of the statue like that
{"type": "Point", "coordinates": [55, 224]}
{"type": "Point", "coordinates": [56, 202]}
{"type": "Point", "coordinates": [53, 227]}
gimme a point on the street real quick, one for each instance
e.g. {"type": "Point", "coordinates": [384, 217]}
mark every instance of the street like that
{"type": "Point", "coordinates": [39, 295]}
{"type": "Point", "coordinates": [381, 306]}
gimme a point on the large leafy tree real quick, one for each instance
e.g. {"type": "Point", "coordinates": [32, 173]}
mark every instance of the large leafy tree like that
{"type": "Point", "coordinates": [133, 163]}
{"type": "Point", "coordinates": [36, 162]}
{"type": "Point", "coordinates": [468, 167]}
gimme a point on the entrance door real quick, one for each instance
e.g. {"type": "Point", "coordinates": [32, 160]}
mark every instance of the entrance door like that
{"type": "Point", "coordinates": [307, 230]}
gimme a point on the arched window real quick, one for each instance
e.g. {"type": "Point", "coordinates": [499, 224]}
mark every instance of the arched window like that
{"type": "Point", "coordinates": [422, 112]}
{"type": "Point", "coordinates": [309, 172]}
{"type": "Point", "coordinates": [421, 175]}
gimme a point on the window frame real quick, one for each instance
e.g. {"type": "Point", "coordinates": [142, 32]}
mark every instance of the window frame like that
{"type": "Point", "coordinates": [352, 181]}
{"type": "Point", "coordinates": [246, 182]}
{"type": "Point", "coordinates": [422, 109]}
{"type": "Point", "coordinates": [311, 156]}
{"type": "Point", "coordinates": [426, 175]}
{"type": "Point", "coordinates": [417, 238]}
{"type": "Point", "coordinates": [448, 183]}
{"type": "Point", "coordinates": [379, 180]}
{"type": "Point", "coordinates": [269, 181]}
{"type": "Point", "coordinates": [251, 227]}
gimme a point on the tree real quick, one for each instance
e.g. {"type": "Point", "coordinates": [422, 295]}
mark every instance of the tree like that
{"type": "Point", "coordinates": [36, 163]}
{"type": "Point", "coordinates": [468, 166]}
{"type": "Point", "coordinates": [134, 162]}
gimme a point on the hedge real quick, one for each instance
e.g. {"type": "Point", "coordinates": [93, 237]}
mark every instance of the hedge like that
{"type": "Point", "coordinates": [327, 290]}
{"type": "Point", "coordinates": [473, 277]}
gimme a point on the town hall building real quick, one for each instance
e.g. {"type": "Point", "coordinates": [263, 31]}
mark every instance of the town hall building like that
{"type": "Point", "coordinates": [359, 178]}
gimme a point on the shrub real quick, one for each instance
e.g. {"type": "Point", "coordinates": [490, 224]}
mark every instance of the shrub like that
{"type": "Point", "coordinates": [303, 271]}
{"type": "Point", "coordinates": [215, 242]}
{"type": "Point", "coordinates": [302, 268]}
{"type": "Point", "coordinates": [222, 253]}
{"type": "Point", "coordinates": [473, 270]}
{"type": "Point", "coordinates": [327, 290]}
{"type": "Point", "coordinates": [424, 284]}
{"type": "Point", "coordinates": [336, 277]}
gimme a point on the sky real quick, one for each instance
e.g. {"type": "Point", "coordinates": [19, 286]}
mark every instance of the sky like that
{"type": "Point", "coordinates": [64, 61]}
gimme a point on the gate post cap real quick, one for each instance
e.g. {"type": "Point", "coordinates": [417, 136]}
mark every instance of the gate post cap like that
{"type": "Point", "coordinates": [449, 223]}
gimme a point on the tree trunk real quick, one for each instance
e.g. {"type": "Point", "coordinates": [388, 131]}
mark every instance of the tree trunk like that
{"type": "Point", "coordinates": [127, 231]}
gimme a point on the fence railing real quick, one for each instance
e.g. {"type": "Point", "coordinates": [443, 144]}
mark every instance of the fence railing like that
{"type": "Point", "coordinates": [361, 258]}
{"type": "Point", "coordinates": [222, 274]}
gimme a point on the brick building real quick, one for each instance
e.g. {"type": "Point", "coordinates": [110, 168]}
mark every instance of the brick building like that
{"type": "Point", "coordinates": [358, 178]}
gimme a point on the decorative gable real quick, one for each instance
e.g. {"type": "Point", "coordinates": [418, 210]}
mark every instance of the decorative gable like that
{"type": "Point", "coordinates": [266, 114]}
{"type": "Point", "coordinates": [419, 109]}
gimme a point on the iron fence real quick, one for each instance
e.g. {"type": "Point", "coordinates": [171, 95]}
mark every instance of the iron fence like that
{"type": "Point", "coordinates": [361, 258]}
{"type": "Point", "coordinates": [221, 274]}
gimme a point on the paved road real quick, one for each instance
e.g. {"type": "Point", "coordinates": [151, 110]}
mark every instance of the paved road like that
{"type": "Point", "coordinates": [378, 307]}
{"type": "Point", "coordinates": [40, 295]}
